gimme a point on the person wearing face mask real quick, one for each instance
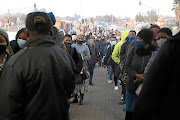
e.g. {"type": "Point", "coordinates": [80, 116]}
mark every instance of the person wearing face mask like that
{"type": "Point", "coordinates": [123, 56]}
{"type": "Point", "coordinates": [116, 55]}
{"type": "Point", "coordinates": [67, 42]}
{"type": "Point", "coordinates": [94, 57]}
{"type": "Point", "coordinates": [109, 62]}
{"type": "Point", "coordinates": [137, 59]}
{"type": "Point", "coordinates": [4, 56]}
{"type": "Point", "coordinates": [83, 50]}
{"type": "Point", "coordinates": [159, 97]}
{"type": "Point", "coordinates": [20, 40]}
{"type": "Point", "coordinates": [162, 36]}
{"type": "Point", "coordinates": [155, 28]}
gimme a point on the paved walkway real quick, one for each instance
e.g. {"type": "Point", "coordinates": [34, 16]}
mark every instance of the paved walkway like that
{"type": "Point", "coordinates": [101, 102]}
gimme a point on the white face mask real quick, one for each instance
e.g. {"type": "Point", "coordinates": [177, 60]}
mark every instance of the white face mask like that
{"type": "Point", "coordinates": [21, 42]}
{"type": "Point", "coordinates": [161, 42]}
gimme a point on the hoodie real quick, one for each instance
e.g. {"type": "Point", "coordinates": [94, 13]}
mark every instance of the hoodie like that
{"type": "Point", "coordinates": [117, 49]}
{"type": "Point", "coordinates": [9, 49]}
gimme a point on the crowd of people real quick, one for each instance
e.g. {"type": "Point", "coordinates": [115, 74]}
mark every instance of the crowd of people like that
{"type": "Point", "coordinates": [42, 71]}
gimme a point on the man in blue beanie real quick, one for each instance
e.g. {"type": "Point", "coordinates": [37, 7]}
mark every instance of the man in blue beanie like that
{"type": "Point", "coordinates": [56, 35]}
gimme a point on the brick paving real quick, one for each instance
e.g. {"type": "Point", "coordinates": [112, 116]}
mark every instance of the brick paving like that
{"type": "Point", "coordinates": [101, 102]}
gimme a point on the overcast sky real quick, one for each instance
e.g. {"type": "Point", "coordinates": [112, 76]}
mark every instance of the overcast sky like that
{"type": "Point", "coordinates": [89, 8]}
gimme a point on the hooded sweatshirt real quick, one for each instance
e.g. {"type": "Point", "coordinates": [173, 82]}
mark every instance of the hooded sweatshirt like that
{"type": "Point", "coordinates": [10, 51]}
{"type": "Point", "coordinates": [117, 49]}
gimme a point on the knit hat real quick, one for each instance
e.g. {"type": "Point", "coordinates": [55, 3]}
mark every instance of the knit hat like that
{"type": "Point", "coordinates": [166, 31]}
{"type": "Point", "coordinates": [146, 35]}
{"type": "Point", "coordinates": [38, 21]}
{"type": "Point", "coordinates": [51, 15]}
{"type": "Point", "coordinates": [3, 33]}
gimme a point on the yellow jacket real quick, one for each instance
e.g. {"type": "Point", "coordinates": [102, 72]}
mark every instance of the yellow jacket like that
{"type": "Point", "coordinates": [117, 49]}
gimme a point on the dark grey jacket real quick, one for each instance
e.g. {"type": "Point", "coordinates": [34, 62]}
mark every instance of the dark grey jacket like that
{"type": "Point", "coordinates": [135, 64]}
{"type": "Point", "coordinates": [36, 82]}
{"type": "Point", "coordinates": [94, 55]}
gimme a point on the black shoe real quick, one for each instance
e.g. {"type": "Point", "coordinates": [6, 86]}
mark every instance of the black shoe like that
{"type": "Point", "coordinates": [75, 99]}
{"type": "Point", "coordinates": [81, 99]}
{"type": "Point", "coordinates": [122, 102]}
{"type": "Point", "coordinates": [90, 83]}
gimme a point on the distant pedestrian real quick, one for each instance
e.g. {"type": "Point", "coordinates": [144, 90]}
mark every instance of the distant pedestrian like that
{"type": "Point", "coordinates": [116, 56]}
{"type": "Point", "coordinates": [123, 56]}
{"type": "Point", "coordinates": [92, 61]}
{"type": "Point", "coordinates": [82, 49]}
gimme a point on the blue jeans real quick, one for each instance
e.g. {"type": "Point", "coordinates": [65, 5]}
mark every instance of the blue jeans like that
{"type": "Point", "coordinates": [110, 72]}
{"type": "Point", "coordinates": [91, 70]}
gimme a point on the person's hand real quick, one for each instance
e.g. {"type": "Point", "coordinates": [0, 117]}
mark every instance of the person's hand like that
{"type": "Point", "coordinates": [139, 78]}
{"type": "Point", "coordinates": [65, 48]}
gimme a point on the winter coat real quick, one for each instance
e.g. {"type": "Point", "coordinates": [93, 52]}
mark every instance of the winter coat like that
{"type": "Point", "coordinates": [98, 45]}
{"type": "Point", "coordinates": [15, 46]}
{"type": "Point", "coordinates": [108, 59]}
{"type": "Point", "coordinates": [124, 50]}
{"type": "Point", "coordinates": [159, 97]}
{"type": "Point", "coordinates": [57, 36]}
{"type": "Point", "coordinates": [6, 58]}
{"type": "Point", "coordinates": [76, 57]}
{"type": "Point", "coordinates": [117, 49]}
{"type": "Point", "coordinates": [94, 55]}
{"type": "Point", "coordinates": [36, 82]}
{"type": "Point", "coordinates": [135, 64]}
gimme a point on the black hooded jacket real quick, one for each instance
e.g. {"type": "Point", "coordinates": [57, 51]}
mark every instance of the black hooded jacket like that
{"type": "Point", "coordinates": [36, 82]}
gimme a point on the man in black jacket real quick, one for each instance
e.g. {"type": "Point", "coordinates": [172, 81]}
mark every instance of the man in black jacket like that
{"type": "Point", "coordinates": [37, 81]}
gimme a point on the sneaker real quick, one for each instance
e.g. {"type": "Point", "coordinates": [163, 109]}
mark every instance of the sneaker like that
{"type": "Point", "coordinates": [116, 88]}
{"type": "Point", "coordinates": [109, 81]}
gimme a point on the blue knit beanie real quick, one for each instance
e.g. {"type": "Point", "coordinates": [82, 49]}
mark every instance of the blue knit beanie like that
{"type": "Point", "coordinates": [51, 15]}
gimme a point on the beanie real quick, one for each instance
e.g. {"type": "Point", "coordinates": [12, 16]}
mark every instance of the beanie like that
{"type": "Point", "coordinates": [51, 15]}
{"type": "Point", "coordinates": [146, 35]}
{"type": "Point", "coordinates": [166, 31]}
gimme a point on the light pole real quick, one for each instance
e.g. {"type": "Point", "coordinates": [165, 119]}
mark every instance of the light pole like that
{"type": "Point", "coordinates": [8, 20]}
{"type": "Point", "coordinates": [151, 8]}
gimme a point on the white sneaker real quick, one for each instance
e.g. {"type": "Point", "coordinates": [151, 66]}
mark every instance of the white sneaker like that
{"type": "Point", "coordinates": [116, 88]}
{"type": "Point", "coordinates": [109, 81]}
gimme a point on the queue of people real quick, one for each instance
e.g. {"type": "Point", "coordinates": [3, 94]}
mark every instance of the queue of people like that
{"type": "Point", "coordinates": [47, 71]}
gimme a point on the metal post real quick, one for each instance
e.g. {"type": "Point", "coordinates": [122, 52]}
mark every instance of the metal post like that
{"type": "Point", "coordinates": [158, 16]}
{"type": "Point", "coordinates": [8, 20]}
